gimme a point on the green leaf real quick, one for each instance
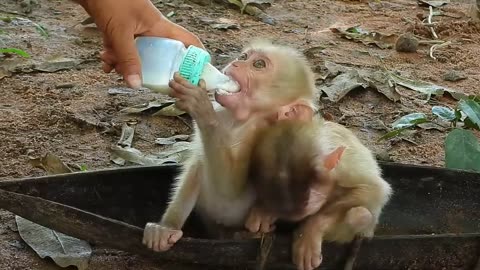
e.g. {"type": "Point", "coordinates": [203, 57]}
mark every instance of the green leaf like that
{"type": "Point", "coordinates": [471, 108]}
{"type": "Point", "coordinates": [391, 134]}
{"type": "Point", "coordinates": [444, 113]}
{"type": "Point", "coordinates": [462, 150]}
{"type": "Point", "coordinates": [410, 120]}
{"type": "Point", "coordinates": [15, 51]}
{"type": "Point", "coordinates": [83, 168]}
{"type": "Point", "coordinates": [469, 124]}
{"type": "Point", "coordinates": [6, 19]}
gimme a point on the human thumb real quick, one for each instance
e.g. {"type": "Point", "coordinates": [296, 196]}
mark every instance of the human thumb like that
{"type": "Point", "coordinates": [128, 61]}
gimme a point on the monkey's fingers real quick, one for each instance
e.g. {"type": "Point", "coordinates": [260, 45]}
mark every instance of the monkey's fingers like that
{"type": "Point", "coordinates": [148, 235]}
{"type": "Point", "coordinates": [307, 259]}
{"type": "Point", "coordinates": [297, 251]}
{"type": "Point", "coordinates": [316, 260]}
{"type": "Point", "coordinates": [174, 237]}
{"type": "Point", "coordinates": [202, 84]}
{"type": "Point", "coordinates": [266, 226]}
{"type": "Point", "coordinates": [253, 223]}
{"type": "Point", "coordinates": [161, 240]}
{"type": "Point", "coordinates": [179, 88]}
{"type": "Point", "coordinates": [182, 81]}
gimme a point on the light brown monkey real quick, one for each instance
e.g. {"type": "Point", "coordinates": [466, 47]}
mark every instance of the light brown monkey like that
{"type": "Point", "coordinates": [276, 82]}
{"type": "Point", "coordinates": [319, 173]}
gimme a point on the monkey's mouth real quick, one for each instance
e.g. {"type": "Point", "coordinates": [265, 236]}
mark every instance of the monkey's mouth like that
{"type": "Point", "coordinates": [229, 87]}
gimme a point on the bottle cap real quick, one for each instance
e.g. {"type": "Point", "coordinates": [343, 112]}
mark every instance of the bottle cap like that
{"type": "Point", "coordinates": [193, 63]}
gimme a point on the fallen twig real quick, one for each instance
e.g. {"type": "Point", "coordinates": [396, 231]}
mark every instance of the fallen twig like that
{"type": "Point", "coordinates": [430, 22]}
{"type": "Point", "coordinates": [436, 46]}
{"type": "Point", "coordinates": [266, 244]}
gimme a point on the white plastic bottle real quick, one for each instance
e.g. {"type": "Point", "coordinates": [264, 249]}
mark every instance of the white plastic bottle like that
{"type": "Point", "coordinates": [161, 58]}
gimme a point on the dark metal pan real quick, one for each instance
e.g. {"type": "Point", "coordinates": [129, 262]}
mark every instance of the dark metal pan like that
{"type": "Point", "coordinates": [432, 221]}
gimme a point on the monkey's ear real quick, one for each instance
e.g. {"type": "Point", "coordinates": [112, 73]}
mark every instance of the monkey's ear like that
{"type": "Point", "coordinates": [297, 111]}
{"type": "Point", "coordinates": [332, 159]}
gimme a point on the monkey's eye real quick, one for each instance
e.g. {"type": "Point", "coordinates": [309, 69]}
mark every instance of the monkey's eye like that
{"type": "Point", "coordinates": [259, 64]}
{"type": "Point", "coordinates": [242, 57]}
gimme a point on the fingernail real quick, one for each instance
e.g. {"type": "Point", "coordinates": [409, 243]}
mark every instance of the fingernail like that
{"type": "Point", "coordinates": [134, 81]}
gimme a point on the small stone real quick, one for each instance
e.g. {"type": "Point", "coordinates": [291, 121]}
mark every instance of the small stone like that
{"type": "Point", "coordinates": [383, 155]}
{"type": "Point", "coordinates": [64, 85]}
{"type": "Point", "coordinates": [406, 43]}
{"type": "Point", "coordinates": [454, 76]}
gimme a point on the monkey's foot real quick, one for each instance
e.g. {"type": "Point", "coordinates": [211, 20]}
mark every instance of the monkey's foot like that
{"type": "Point", "coordinates": [258, 221]}
{"type": "Point", "coordinates": [359, 218]}
{"type": "Point", "coordinates": [306, 252]}
{"type": "Point", "coordinates": [160, 238]}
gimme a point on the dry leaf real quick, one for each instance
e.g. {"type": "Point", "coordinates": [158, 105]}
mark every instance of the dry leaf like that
{"type": "Point", "coordinates": [171, 140]}
{"type": "Point", "coordinates": [176, 153]}
{"type": "Point", "coordinates": [366, 37]}
{"type": "Point", "coordinates": [433, 3]}
{"type": "Point", "coordinates": [159, 103]}
{"type": "Point", "coordinates": [63, 249]}
{"type": "Point", "coordinates": [170, 110]}
{"type": "Point", "coordinates": [125, 141]}
{"type": "Point", "coordinates": [57, 63]}
{"type": "Point", "coordinates": [51, 164]}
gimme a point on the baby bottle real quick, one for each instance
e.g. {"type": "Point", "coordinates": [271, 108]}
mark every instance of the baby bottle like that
{"type": "Point", "coordinates": [162, 57]}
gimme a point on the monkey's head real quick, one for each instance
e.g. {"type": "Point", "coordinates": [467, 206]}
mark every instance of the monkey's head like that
{"type": "Point", "coordinates": [272, 78]}
{"type": "Point", "coordinates": [290, 175]}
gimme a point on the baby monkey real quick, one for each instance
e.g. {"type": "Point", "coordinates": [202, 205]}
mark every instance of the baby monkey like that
{"type": "Point", "coordinates": [319, 173]}
{"type": "Point", "coordinates": [276, 83]}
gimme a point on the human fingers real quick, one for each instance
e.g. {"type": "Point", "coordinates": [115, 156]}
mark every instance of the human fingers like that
{"type": "Point", "coordinates": [128, 62]}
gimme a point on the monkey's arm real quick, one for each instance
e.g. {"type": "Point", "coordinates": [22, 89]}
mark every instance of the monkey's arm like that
{"type": "Point", "coordinates": [162, 236]}
{"type": "Point", "coordinates": [216, 137]}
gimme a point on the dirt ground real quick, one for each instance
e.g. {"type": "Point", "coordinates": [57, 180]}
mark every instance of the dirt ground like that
{"type": "Point", "coordinates": [70, 114]}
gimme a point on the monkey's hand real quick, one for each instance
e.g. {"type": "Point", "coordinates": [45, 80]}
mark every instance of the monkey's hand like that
{"type": "Point", "coordinates": [160, 238]}
{"type": "Point", "coordinates": [192, 99]}
{"type": "Point", "coordinates": [306, 250]}
{"type": "Point", "coordinates": [259, 221]}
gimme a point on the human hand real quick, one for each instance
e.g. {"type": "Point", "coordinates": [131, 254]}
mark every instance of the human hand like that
{"type": "Point", "coordinates": [120, 22]}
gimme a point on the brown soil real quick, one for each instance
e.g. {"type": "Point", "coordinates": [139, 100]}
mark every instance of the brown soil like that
{"type": "Point", "coordinates": [80, 123]}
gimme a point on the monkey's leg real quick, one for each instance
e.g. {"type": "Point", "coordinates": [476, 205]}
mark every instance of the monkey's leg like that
{"type": "Point", "coordinates": [162, 236]}
{"type": "Point", "coordinates": [359, 218]}
{"type": "Point", "coordinates": [308, 239]}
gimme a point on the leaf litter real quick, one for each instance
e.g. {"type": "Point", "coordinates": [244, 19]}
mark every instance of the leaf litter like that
{"type": "Point", "coordinates": [432, 3]}
{"type": "Point", "coordinates": [172, 139]}
{"type": "Point", "coordinates": [63, 249]}
{"type": "Point", "coordinates": [346, 79]}
{"type": "Point", "coordinates": [125, 141]}
{"type": "Point", "coordinates": [175, 151]}
{"type": "Point", "coordinates": [357, 34]}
